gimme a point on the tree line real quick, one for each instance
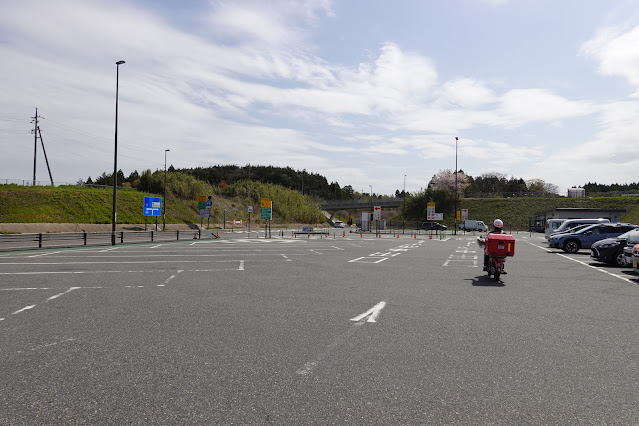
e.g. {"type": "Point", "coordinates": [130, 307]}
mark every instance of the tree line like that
{"type": "Point", "coordinates": [317, 186]}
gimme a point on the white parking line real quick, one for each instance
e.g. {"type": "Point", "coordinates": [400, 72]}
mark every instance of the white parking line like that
{"type": "Point", "coordinates": [26, 308]}
{"type": "Point", "coordinates": [585, 264]}
{"type": "Point", "coordinates": [597, 269]}
{"type": "Point", "coordinates": [63, 293]}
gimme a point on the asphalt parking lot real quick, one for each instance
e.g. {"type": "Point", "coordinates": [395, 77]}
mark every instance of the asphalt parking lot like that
{"type": "Point", "coordinates": [351, 329]}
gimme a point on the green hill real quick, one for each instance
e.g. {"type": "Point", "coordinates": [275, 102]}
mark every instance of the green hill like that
{"type": "Point", "coordinates": [72, 204]}
{"type": "Point", "coordinates": [516, 212]}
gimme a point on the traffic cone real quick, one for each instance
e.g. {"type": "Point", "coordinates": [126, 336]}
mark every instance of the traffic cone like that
{"type": "Point", "coordinates": [195, 235]}
{"type": "Point", "coordinates": [415, 236]}
{"type": "Point", "coordinates": [397, 235]}
{"type": "Point", "coordinates": [430, 237]}
{"type": "Point", "coordinates": [217, 235]}
{"type": "Point", "coordinates": [361, 236]}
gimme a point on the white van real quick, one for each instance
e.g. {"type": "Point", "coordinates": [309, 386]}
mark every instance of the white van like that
{"type": "Point", "coordinates": [552, 225]}
{"type": "Point", "coordinates": [571, 223]}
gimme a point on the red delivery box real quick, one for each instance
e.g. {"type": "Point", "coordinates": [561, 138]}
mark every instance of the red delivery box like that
{"type": "Point", "coordinates": [500, 245]}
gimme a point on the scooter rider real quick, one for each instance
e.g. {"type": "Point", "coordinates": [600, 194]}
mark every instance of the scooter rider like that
{"type": "Point", "coordinates": [498, 229]}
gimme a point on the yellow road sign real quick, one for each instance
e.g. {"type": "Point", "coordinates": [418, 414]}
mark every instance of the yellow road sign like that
{"type": "Point", "coordinates": [266, 203]}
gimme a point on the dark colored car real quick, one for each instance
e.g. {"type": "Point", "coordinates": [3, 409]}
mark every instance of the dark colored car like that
{"type": "Point", "coordinates": [433, 226]}
{"type": "Point", "coordinates": [611, 250]}
{"type": "Point", "coordinates": [585, 238]}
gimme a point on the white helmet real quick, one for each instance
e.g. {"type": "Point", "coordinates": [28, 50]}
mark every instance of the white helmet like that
{"type": "Point", "coordinates": [498, 223]}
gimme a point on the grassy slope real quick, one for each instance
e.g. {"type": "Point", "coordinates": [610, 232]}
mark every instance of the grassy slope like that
{"type": "Point", "coordinates": [516, 212]}
{"type": "Point", "coordinates": [88, 205]}
{"type": "Point", "coordinates": [72, 204]}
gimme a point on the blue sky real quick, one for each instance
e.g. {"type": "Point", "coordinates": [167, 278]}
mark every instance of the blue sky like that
{"type": "Point", "coordinates": [360, 91]}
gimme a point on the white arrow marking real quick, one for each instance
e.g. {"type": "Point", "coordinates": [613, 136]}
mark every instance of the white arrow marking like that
{"type": "Point", "coordinates": [373, 312]}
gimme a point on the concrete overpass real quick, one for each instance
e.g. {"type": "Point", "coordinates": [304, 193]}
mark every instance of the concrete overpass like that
{"type": "Point", "coordinates": [332, 205]}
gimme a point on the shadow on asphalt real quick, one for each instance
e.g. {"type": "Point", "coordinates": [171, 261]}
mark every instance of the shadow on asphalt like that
{"type": "Point", "coordinates": [486, 281]}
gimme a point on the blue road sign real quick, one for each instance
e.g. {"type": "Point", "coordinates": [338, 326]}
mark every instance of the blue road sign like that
{"type": "Point", "coordinates": [152, 206]}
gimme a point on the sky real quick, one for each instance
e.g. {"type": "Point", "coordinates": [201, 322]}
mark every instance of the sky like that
{"type": "Point", "coordinates": [368, 93]}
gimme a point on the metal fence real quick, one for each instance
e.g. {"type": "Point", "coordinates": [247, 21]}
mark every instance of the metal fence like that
{"type": "Point", "coordinates": [10, 242]}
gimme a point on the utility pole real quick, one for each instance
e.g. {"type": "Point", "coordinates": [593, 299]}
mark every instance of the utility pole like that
{"type": "Point", "coordinates": [35, 145]}
{"type": "Point", "coordinates": [456, 192]}
{"type": "Point", "coordinates": [45, 156]}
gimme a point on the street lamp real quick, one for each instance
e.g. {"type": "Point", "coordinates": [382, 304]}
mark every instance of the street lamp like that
{"type": "Point", "coordinates": [404, 214]}
{"type": "Point", "coordinates": [164, 202]}
{"type": "Point", "coordinates": [456, 192]}
{"type": "Point", "coordinates": [114, 217]}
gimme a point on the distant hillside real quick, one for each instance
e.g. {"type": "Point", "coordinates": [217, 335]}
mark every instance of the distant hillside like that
{"type": "Point", "coordinates": [71, 204]}
{"type": "Point", "coordinates": [516, 212]}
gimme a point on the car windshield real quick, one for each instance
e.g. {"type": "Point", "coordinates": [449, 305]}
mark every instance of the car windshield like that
{"type": "Point", "coordinates": [625, 235]}
{"type": "Point", "coordinates": [575, 229]}
{"type": "Point", "coordinates": [587, 228]}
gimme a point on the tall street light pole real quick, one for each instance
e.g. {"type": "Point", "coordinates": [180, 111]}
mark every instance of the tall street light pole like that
{"type": "Point", "coordinates": [456, 192]}
{"type": "Point", "coordinates": [115, 158]}
{"type": "Point", "coordinates": [404, 214]}
{"type": "Point", "coordinates": [164, 202]}
{"type": "Point", "coordinates": [370, 200]}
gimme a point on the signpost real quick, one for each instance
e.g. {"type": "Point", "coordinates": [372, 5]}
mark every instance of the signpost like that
{"type": "Point", "coordinates": [464, 214]}
{"type": "Point", "coordinates": [430, 210]}
{"type": "Point", "coordinates": [152, 207]}
{"type": "Point", "coordinates": [204, 205]}
{"type": "Point", "coordinates": [266, 213]}
{"type": "Point", "coordinates": [377, 213]}
{"type": "Point", "coordinates": [250, 210]}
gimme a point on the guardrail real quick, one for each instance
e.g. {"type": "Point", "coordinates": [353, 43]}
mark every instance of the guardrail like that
{"type": "Point", "coordinates": [10, 242]}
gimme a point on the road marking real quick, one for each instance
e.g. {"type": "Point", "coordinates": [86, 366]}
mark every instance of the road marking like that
{"type": "Point", "coordinates": [286, 258]}
{"type": "Point", "coordinates": [543, 248]}
{"type": "Point", "coordinates": [159, 245]}
{"type": "Point", "coordinates": [597, 269]}
{"type": "Point", "coordinates": [311, 366]}
{"type": "Point", "coordinates": [368, 260]}
{"type": "Point", "coordinates": [585, 264]}
{"type": "Point", "coordinates": [25, 288]}
{"type": "Point", "coordinates": [63, 293]}
{"type": "Point", "coordinates": [52, 344]}
{"type": "Point", "coordinates": [463, 257]}
{"type": "Point", "coordinates": [110, 249]}
{"type": "Point", "coordinates": [372, 313]}
{"type": "Point", "coordinates": [170, 278]}
{"type": "Point", "coordinates": [45, 254]}
{"type": "Point", "coordinates": [26, 308]}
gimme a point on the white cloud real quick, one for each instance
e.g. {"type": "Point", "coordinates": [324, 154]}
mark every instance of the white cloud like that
{"type": "Point", "coordinates": [616, 50]}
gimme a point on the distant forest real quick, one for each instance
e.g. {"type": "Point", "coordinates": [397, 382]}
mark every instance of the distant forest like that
{"type": "Point", "coordinates": [316, 185]}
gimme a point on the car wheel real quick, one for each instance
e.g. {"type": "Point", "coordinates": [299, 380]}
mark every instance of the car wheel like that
{"type": "Point", "coordinates": [571, 246]}
{"type": "Point", "coordinates": [620, 259]}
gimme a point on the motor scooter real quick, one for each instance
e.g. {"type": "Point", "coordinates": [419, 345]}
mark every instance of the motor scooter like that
{"type": "Point", "coordinates": [496, 266]}
{"type": "Point", "coordinates": [497, 247]}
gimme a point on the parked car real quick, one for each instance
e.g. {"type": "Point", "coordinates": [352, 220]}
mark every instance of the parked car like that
{"type": "Point", "coordinates": [572, 223]}
{"type": "Point", "coordinates": [338, 224]}
{"type": "Point", "coordinates": [552, 225]}
{"type": "Point", "coordinates": [433, 226]}
{"type": "Point", "coordinates": [611, 250]}
{"type": "Point", "coordinates": [583, 239]}
{"type": "Point", "coordinates": [635, 258]}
